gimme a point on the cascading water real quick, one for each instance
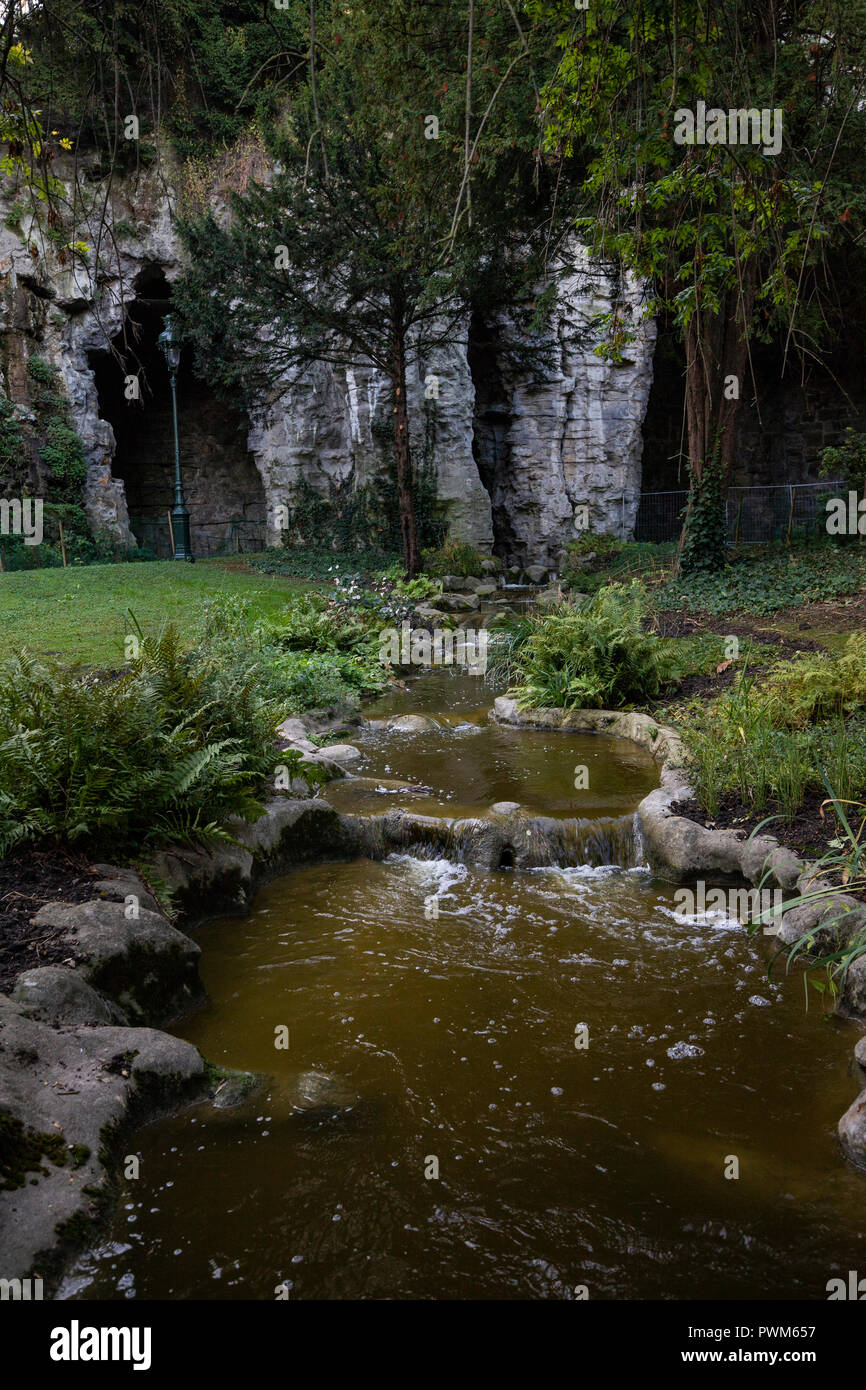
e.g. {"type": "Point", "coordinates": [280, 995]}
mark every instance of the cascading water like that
{"type": "Point", "coordinates": [496, 797]}
{"type": "Point", "coordinates": [435, 1128]}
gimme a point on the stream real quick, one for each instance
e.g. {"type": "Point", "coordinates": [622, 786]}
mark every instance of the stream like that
{"type": "Point", "coordinates": [461, 1144]}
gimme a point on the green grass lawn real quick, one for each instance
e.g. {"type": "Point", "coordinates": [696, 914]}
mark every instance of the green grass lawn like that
{"type": "Point", "coordinates": [81, 613]}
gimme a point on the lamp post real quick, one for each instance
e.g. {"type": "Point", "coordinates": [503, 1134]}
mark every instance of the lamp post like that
{"type": "Point", "coordinates": [169, 341]}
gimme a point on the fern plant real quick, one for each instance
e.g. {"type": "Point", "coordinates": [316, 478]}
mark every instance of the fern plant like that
{"type": "Point", "coordinates": [167, 751]}
{"type": "Point", "coordinates": [590, 654]}
{"type": "Point", "coordinates": [819, 685]}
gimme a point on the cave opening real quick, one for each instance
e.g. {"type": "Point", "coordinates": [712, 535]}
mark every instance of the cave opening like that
{"type": "Point", "coordinates": [491, 425]}
{"type": "Point", "coordinates": [223, 488]}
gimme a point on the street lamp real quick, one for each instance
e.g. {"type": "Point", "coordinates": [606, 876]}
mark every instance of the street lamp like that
{"type": "Point", "coordinates": [169, 340]}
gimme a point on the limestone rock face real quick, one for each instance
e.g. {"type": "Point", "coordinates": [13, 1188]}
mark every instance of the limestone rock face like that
{"type": "Point", "coordinates": [569, 436]}
{"type": "Point", "coordinates": [76, 310]}
{"type": "Point", "coordinates": [514, 455]}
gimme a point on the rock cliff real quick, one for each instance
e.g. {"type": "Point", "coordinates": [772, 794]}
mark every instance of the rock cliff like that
{"type": "Point", "coordinates": [514, 454]}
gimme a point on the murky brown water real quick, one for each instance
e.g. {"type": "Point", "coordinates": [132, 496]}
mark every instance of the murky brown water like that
{"type": "Point", "coordinates": [466, 764]}
{"type": "Point", "coordinates": [558, 1167]}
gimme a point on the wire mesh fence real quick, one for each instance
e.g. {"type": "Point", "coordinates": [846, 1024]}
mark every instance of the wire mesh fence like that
{"type": "Point", "coordinates": [754, 515]}
{"type": "Point", "coordinates": [240, 536]}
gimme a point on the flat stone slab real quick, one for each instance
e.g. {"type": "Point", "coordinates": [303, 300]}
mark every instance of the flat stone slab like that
{"type": "Point", "coordinates": [120, 889]}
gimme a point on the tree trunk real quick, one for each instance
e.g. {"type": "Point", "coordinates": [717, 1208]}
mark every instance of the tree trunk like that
{"type": "Point", "coordinates": [405, 499]}
{"type": "Point", "coordinates": [717, 356]}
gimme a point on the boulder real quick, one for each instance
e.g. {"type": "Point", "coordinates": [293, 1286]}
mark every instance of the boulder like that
{"type": "Point", "coordinates": [67, 1094]}
{"type": "Point", "coordinates": [852, 999]}
{"type": "Point", "coordinates": [536, 574]}
{"type": "Point", "coordinates": [425, 611]}
{"type": "Point", "coordinates": [143, 963]}
{"type": "Point", "coordinates": [832, 921]}
{"type": "Point", "coordinates": [58, 994]}
{"type": "Point", "coordinates": [342, 752]}
{"type": "Point", "coordinates": [411, 723]}
{"type": "Point", "coordinates": [234, 1088]}
{"type": "Point", "coordinates": [852, 1131]}
{"type": "Point", "coordinates": [293, 732]}
{"type": "Point", "coordinates": [458, 603]}
{"type": "Point", "coordinates": [486, 590]}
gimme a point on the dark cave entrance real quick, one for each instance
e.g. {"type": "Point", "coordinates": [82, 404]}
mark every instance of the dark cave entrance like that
{"type": "Point", "coordinates": [490, 432]}
{"type": "Point", "coordinates": [223, 488]}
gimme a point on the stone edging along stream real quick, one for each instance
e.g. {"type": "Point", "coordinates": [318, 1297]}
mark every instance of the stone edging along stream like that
{"type": "Point", "coordinates": [82, 1057]}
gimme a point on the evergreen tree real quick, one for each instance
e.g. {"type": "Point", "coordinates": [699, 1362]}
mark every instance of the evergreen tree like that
{"type": "Point", "coordinates": [404, 192]}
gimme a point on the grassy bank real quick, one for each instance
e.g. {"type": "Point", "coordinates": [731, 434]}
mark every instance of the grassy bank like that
{"type": "Point", "coordinates": [80, 614]}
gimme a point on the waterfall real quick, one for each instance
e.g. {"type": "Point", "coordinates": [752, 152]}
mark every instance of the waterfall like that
{"type": "Point", "coordinates": [511, 842]}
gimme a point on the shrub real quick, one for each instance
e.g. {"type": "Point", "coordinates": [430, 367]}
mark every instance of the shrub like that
{"type": "Point", "coordinates": [317, 564]}
{"type": "Point", "coordinates": [846, 461]}
{"type": "Point", "coordinates": [705, 534]}
{"type": "Point", "coordinates": [599, 544]}
{"type": "Point", "coordinates": [315, 656]}
{"type": "Point", "coordinates": [595, 559]}
{"type": "Point", "coordinates": [818, 686]}
{"type": "Point", "coordinates": [304, 681]}
{"type": "Point", "coordinates": [454, 557]}
{"type": "Point", "coordinates": [63, 454]}
{"type": "Point", "coordinates": [736, 748]}
{"type": "Point", "coordinates": [592, 654]}
{"type": "Point", "coordinates": [167, 751]}
{"type": "Point", "coordinates": [764, 583]}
